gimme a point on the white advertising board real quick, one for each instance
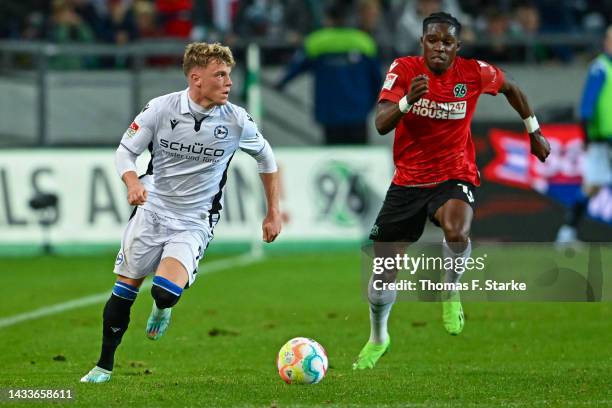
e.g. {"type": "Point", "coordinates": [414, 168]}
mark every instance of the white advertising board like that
{"type": "Point", "coordinates": [327, 194]}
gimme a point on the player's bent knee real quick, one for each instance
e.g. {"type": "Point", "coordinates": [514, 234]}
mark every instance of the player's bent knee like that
{"type": "Point", "coordinates": [163, 298]}
{"type": "Point", "coordinates": [165, 293]}
{"type": "Point", "coordinates": [453, 233]}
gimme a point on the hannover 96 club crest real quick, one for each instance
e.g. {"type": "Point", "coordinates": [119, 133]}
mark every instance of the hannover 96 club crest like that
{"type": "Point", "coordinates": [460, 90]}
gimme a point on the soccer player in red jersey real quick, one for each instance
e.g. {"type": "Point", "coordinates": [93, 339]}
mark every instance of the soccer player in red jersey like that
{"type": "Point", "coordinates": [429, 100]}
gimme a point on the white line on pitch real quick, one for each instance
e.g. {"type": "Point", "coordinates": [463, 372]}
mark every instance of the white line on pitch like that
{"type": "Point", "coordinates": [207, 267]}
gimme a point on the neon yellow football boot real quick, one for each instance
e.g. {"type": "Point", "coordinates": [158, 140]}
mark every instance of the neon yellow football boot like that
{"type": "Point", "coordinates": [452, 314]}
{"type": "Point", "coordinates": [370, 354]}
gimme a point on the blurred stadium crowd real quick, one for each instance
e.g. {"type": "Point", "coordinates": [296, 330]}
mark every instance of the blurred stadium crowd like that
{"type": "Point", "coordinates": [492, 28]}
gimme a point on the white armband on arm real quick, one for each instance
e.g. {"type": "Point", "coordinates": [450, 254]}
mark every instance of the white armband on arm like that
{"type": "Point", "coordinates": [403, 104]}
{"type": "Point", "coordinates": [124, 161]}
{"type": "Point", "coordinates": [266, 163]}
{"type": "Point", "coordinates": [531, 124]}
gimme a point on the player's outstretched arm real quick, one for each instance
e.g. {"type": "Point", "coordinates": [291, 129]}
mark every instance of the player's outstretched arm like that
{"type": "Point", "coordinates": [388, 114]}
{"type": "Point", "coordinates": [518, 100]}
{"type": "Point", "coordinates": [271, 226]}
{"type": "Point", "coordinates": [253, 143]}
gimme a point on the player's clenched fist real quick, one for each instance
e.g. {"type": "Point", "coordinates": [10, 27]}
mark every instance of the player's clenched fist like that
{"type": "Point", "coordinates": [136, 195]}
{"type": "Point", "coordinates": [418, 87]}
{"type": "Point", "coordinates": [539, 145]}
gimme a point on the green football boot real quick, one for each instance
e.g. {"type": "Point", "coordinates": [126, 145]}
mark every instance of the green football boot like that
{"type": "Point", "coordinates": [452, 314]}
{"type": "Point", "coordinates": [370, 354]}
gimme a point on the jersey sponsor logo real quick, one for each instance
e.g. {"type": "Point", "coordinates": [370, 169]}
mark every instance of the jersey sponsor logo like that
{"type": "Point", "coordinates": [439, 110]}
{"type": "Point", "coordinates": [173, 123]}
{"type": "Point", "coordinates": [460, 90]}
{"type": "Point", "coordinates": [119, 259]}
{"type": "Point", "coordinates": [389, 81]}
{"type": "Point", "coordinates": [220, 132]}
{"type": "Point", "coordinates": [192, 151]}
{"type": "Point", "coordinates": [131, 131]}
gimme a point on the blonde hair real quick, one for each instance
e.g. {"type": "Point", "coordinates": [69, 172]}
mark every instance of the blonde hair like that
{"type": "Point", "coordinates": [201, 54]}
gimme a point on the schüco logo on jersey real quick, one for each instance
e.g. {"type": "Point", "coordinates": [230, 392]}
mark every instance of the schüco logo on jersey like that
{"type": "Point", "coordinates": [197, 148]}
{"type": "Point", "coordinates": [439, 110]}
{"type": "Point", "coordinates": [341, 194]}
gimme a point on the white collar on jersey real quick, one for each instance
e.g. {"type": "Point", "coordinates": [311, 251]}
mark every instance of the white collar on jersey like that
{"type": "Point", "coordinates": [185, 106]}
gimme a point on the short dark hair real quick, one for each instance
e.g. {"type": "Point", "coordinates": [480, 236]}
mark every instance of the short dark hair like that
{"type": "Point", "coordinates": [442, 17]}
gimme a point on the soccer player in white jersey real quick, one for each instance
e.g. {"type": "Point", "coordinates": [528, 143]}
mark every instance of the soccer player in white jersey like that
{"type": "Point", "coordinates": [192, 136]}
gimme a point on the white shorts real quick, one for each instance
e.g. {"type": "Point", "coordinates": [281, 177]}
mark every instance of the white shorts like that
{"type": "Point", "coordinates": [597, 169]}
{"type": "Point", "coordinates": [150, 237]}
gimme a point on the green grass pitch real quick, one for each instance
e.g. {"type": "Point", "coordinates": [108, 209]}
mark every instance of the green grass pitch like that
{"type": "Point", "coordinates": [221, 347]}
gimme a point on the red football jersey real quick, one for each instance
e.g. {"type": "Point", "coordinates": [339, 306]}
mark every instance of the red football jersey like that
{"type": "Point", "coordinates": [433, 141]}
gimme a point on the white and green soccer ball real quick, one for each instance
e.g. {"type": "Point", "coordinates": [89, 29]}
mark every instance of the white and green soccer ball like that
{"type": "Point", "coordinates": [302, 361]}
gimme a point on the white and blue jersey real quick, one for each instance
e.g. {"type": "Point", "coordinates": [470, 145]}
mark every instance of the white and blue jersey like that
{"type": "Point", "coordinates": [191, 150]}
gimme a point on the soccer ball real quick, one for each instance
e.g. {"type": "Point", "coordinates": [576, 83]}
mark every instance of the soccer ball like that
{"type": "Point", "coordinates": [302, 361]}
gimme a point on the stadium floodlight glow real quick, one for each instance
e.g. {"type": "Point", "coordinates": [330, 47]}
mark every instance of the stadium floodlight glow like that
{"type": "Point", "coordinates": [46, 205]}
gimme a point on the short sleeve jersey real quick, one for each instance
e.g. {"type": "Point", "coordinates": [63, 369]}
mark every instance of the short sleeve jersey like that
{"type": "Point", "coordinates": [433, 141]}
{"type": "Point", "coordinates": [190, 155]}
